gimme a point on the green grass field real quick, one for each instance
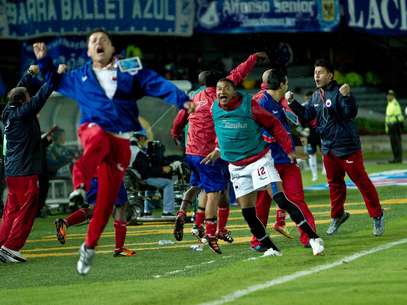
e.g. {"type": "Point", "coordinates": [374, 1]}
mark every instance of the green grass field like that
{"type": "Point", "coordinates": [174, 274]}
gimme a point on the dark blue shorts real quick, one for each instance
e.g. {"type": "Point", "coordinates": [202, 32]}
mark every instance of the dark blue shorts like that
{"type": "Point", "coordinates": [213, 177]}
{"type": "Point", "coordinates": [91, 194]}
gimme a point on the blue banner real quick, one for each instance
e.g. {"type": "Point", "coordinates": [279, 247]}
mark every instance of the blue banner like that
{"type": "Point", "coordinates": [70, 51]}
{"type": "Point", "coordinates": [33, 18]}
{"type": "Point", "coordinates": [382, 17]}
{"type": "Point", "coordinates": [239, 16]}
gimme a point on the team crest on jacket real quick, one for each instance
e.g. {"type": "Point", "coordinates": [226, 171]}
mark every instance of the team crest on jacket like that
{"type": "Point", "coordinates": [328, 103]}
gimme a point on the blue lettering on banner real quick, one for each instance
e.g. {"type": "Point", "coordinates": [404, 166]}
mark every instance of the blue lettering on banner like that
{"type": "Point", "coordinates": [33, 18]}
{"type": "Point", "coordinates": [383, 17]}
{"type": "Point", "coordinates": [245, 16]}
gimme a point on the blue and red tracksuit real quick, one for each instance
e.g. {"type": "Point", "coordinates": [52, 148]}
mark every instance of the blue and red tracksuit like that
{"type": "Point", "coordinates": [22, 164]}
{"type": "Point", "coordinates": [340, 146]}
{"type": "Point", "coordinates": [105, 154]}
{"type": "Point", "coordinates": [289, 173]}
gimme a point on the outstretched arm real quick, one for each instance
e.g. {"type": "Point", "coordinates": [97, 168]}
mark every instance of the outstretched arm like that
{"type": "Point", "coordinates": [239, 73]}
{"type": "Point", "coordinates": [155, 85]}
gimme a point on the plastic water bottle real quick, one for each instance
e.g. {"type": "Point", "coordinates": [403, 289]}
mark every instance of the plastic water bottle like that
{"type": "Point", "coordinates": [165, 242]}
{"type": "Point", "coordinates": [198, 247]}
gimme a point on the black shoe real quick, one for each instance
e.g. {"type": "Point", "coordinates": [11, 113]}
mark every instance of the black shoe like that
{"type": "Point", "coordinates": [60, 227]}
{"type": "Point", "coordinates": [179, 226]}
{"type": "Point", "coordinates": [213, 244]}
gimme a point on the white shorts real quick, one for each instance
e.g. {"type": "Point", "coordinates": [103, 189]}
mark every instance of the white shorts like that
{"type": "Point", "coordinates": [252, 177]}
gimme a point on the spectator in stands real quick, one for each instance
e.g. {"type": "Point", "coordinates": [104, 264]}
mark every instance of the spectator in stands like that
{"type": "Point", "coordinates": [153, 173]}
{"type": "Point", "coordinates": [394, 121]}
{"type": "Point", "coordinates": [58, 155]}
{"type": "Point", "coordinates": [22, 163]}
{"type": "Point", "coordinates": [335, 109]}
{"type": "Point", "coordinates": [43, 178]}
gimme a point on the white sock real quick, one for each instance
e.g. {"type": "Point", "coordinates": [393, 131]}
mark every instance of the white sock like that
{"type": "Point", "coordinates": [312, 160]}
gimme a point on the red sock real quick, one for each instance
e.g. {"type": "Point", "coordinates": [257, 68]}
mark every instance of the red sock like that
{"type": "Point", "coordinates": [223, 215]}
{"type": "Point", "coordinates": [199, 217]}
{"type": "Point", "coordinates": [77, 217]}
{"type": "Point", "coordinates": [280, 217]}
{"type": "Point", "coordinates": [120, 230]}
{"type": "Point", "coordinates": [210, 227]}
{"type": "Point", "coordinates": [182, 212]}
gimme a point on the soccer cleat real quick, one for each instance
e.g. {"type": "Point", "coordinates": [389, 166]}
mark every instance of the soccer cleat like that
{"type": "Point", "coordinates": [378, 225]}
{"type": "Point", "coordinates": [282, 230]}
{"type": "Point", "coordinates": [272, 252]}
{"type": "Point", "coordinates": [198, 232]}
{"type": "Point", "coordinates": [317, 245]}
{"type": "Point", "coordinates": [225, 235]}
{"type": "Point", "coordinates": [336, 223]}
{"type": "Point", "coordinates": [124, 252]}
{"type": "Point", "coordinates": [11, 256]}
{"type": "Point", "coordinates": [212, 242]}
{"type": "Point", "coordinates": [60, 227]}
{"type": "Point", "coordinates": [77, 198]}
{"type": "Point", "coordinates": [86, 256]}
{"type": "Point", "coordinates": [179, 226]}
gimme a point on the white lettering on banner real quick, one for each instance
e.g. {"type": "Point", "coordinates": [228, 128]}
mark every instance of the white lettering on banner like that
{"type": "Point", "coordinates": [22, 16]}
{"type": "Point", "coordinates": [31, 11]}
{"type": "Point", "coordinates": [233, 7]}
{"type": "Point", "coordinates": [403, 14]}
{"type": "Point", "coordinates": [136, 10]}
{"type": "Point", "coordinates": [374, 21]}
{"type": "Point", "coordinates": [298, 6]}
{"type": "Point", "coordinates": [153, 9]}
{"type": "Point", "coordinates": [378, 16]}
{"type": "Point", "coordinates": [66, 12]}
{"type": "Point", "coordinates": [386, 16]}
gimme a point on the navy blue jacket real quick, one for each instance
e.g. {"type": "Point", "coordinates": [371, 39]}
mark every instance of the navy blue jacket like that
{"type": "Point", "coordinates": [335, 116]}
{"type": "Point", "coordinates": [22, 131]}
{"type": "Point", "coordinates": [274, 107]}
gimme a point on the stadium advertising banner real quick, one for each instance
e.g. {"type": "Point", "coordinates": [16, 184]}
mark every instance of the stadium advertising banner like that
{"type": "Point", "coordinates": [65, 50]}
{"type": "Point", "coordinates": [383, 17]}
{"type": "Point", "coordinates": [239, 16]}
{"type": "Point", "coordinates": [33, 18]}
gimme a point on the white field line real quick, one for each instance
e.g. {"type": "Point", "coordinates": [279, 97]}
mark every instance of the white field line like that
{"type": "Point", "coordinates": [287, 278]}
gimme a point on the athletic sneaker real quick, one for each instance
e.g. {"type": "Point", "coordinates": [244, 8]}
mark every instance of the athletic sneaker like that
{"type": "Point", "coordinates": [198, 232]}
{"type": "Point", "coordinates": [60, 227]}
{"type": "Point", "coordinates": [336, 223]}
{"type": "Point", "coordinates": [282, 230]}
{"type": "Point", "coordinates": [124, 252]}
{"type": "Point", "coordinates": [378, 225]}
{"type": "Point", "coordinates": [11, 256]}
{"type": "Point", "coordinates": [225, 235]}
{"type": "Point", "coordinates": [77, 198]}
{"type": "Point", "coordinates": [179, 226]}
{"type": "Point", "coordinates": [86, 256]}
{"type": "Point", "coordinates": [272, 252]}
{"type": "Point", "coordinates": [212, 243]}
{"type": "Point", "coordinates": [317, 245]}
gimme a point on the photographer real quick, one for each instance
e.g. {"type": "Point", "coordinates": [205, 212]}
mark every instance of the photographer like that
{"type": "Point", "coordinates": [147, 158]}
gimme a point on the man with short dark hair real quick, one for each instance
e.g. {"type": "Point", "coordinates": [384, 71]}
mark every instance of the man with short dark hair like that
{"type": "Point", "coordinates": [335, 109]}
{"type": "Point", "coordinates": [238, 122]}
{"type": "Point", "coordinates": [22, 163]}
{"type": "Point", "coordinates": [107, 98]}
{"type": "Point", "coordinates": [274, 102]}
